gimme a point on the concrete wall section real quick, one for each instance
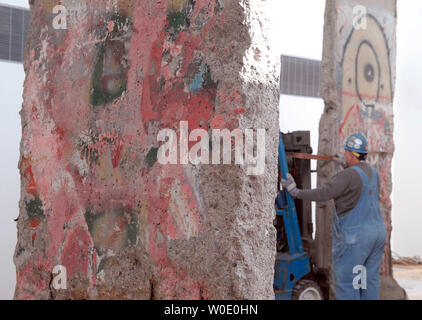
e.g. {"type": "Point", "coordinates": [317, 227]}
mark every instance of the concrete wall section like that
{"type": "Point", "coordinates": [358, 76]}
{"type": "Point", "coordinates": [95, 199]}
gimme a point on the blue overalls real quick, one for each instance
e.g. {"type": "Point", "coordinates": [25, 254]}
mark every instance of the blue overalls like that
{"type": "Point", "coordinates": [358, 240]}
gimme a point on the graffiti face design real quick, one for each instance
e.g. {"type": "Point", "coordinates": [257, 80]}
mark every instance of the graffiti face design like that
{"type": "Point", "coordinates": [367, 74]}
{"type": "Point", "coordinates": [366, 85]}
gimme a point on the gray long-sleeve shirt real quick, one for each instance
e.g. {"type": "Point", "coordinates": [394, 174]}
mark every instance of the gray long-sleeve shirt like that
{"type": "Point", "coordinates": [345, 188]}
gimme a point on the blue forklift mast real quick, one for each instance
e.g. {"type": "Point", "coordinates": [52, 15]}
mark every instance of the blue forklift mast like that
{"type": "Point", "coordinates": [293, 265]}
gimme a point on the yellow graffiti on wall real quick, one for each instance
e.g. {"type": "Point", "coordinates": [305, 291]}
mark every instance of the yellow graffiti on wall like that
{"type": "Point", "coordinates": [366, 86]}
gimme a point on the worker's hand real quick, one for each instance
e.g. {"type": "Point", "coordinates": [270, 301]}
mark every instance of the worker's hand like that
{"type": "Point", "coordinates": [339, 159]}
{"type": "Point", "coordinates": [290, 185]}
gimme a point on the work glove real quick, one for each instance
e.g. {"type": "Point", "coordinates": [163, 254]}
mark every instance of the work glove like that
{"type": "Point", "coordinates": [290, 185]}
{"type": "Point", "coordinates": [339, 159]}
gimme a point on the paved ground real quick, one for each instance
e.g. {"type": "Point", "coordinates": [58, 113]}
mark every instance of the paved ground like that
{"type": "Point", "coordinates": [409, 278]}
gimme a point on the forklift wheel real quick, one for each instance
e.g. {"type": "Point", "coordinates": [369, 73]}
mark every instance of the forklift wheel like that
{"type": "Point", "coordinates": [306, 290]}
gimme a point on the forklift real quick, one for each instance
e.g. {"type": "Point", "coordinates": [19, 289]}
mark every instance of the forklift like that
{"type": "Point", "coordinates": [296, 275]}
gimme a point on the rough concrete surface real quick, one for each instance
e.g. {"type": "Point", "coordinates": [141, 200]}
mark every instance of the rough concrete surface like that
{"type": "Point", "coordinates": [358, 76]}
{"type": "Point", "coordinates": [95, 199]}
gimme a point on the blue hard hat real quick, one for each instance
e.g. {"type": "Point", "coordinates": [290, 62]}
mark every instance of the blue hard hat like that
{"type": "Point", "coordinates": [357, 143]}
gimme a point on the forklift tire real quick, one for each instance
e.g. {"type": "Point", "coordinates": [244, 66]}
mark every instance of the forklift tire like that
{"type": "Point", "coordinates": [307, 290]}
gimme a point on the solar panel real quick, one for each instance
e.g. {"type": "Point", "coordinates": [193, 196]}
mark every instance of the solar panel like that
{"type": "Point", "coordinates": [300, 77]}
{"type": "Point", "coordinates": [14, 23]}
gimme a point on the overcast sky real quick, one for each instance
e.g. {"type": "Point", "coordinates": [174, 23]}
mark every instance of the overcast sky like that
{"type": "Point", "coordinates": [298, 26]}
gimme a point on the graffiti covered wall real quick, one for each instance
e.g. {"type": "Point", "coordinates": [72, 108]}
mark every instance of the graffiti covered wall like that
{"type": "Point", "coordinates": [94, 197]}
{"type": "Point", "coordinates": [358, 75]}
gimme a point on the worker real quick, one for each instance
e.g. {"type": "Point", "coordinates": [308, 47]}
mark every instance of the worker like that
{"type": "Point", "coordinates": [359, 232]}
